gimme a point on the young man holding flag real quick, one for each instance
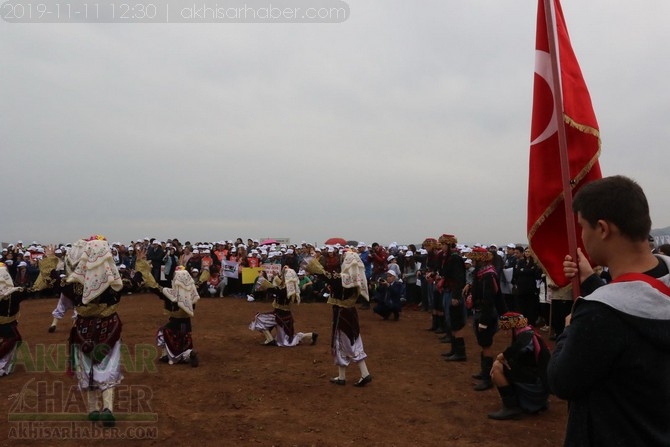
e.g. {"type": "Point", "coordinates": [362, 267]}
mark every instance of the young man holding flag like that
{"type": "Point", "coordinates": [612, 362]}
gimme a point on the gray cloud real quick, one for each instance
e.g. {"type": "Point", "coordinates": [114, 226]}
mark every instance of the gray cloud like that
{"type": "Point", "coordinates": [404, 121]}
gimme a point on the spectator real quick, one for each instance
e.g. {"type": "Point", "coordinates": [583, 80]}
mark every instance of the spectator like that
{"type": "Point", "coordinates": [306, 286]}
{"type": "Point", "coordinates": [155, 255]}
{"type": "Point", "coordinates": [389, 293]}
{"type": "Point", "coordinates": [170, 262]}
{"type": "Point", "coordinates": [526, 274]}
{"type": "Point", "coordinates": [21, 279]}
{"type": "Point", "coordinates": [392, 263]}
{"type": "Point", "coordinates": [412, 291]}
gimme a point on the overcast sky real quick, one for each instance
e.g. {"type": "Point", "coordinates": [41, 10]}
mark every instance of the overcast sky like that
{"type": "Point", "coordinates": [407, 120]}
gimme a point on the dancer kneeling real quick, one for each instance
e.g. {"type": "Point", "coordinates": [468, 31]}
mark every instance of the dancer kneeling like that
{"type": "Point", "coordinates": [285, 290]}
{"type": "Point", "coordinates": [520, 372]}
{"type": "Point", "coordinates": [175, 337]}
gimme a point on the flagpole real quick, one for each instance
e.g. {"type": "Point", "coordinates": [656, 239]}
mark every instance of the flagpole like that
{"type": "Point", "coordinates": [562, 139]}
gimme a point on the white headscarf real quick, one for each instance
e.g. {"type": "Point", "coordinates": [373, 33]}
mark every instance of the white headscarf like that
{"type": "Point", "coordinates": [353, 274]}
{"type": "Point", "coordinates": [96, 270]}
{"type": "Point", "coordinates": [183, 291]}
{"type": "Point", "coordinates": [74, 255]}
{"type": "Point", "coordinates": [292, 284]}
{"type": "Point", "coordinates": [6, 282]}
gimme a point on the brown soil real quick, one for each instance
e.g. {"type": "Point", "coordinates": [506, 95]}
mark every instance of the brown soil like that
{"type": "Point", "coordinates": [244, 393]}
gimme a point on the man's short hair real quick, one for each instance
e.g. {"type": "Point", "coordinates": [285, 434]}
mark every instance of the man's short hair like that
{"type": "Point", "coordinates": [618, 200]}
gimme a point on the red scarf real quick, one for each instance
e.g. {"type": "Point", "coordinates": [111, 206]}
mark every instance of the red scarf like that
{"type": "Point", "coordinates": [654, 282]}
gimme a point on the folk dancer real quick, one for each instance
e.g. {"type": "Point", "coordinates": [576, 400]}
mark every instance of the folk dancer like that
{"type": "Point", "coordinates": [285, 291]}
{"type": "Point", "coordinates": [95, 339]}
{"type": "Point", "coordinates": [10, 301]}
{"type": "Point", "coordinates": [485, 290]}
{"type": "Point", "coordinates": [520, 372]}
{"type": "Point", "coordinates": [175, 336]}
{"type": "Point", "coordinates": [54, 271]}
{"type": "Point", "coordinates": [345, 288]}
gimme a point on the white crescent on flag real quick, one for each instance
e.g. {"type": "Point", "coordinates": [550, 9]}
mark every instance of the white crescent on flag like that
{"type": "Point", "coordinates": [543, 70]}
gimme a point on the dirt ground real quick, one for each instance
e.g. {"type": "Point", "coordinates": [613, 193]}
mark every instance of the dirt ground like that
{"type": "Point", "coordinates": [244, 393]}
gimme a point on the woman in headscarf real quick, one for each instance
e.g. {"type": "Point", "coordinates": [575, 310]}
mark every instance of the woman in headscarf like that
{"type": "Point", "coordinates": [10, 301]}
{"type": "Point", "coordinates": [345, 286]}
{"type": "Point", "coordinates": [175, 336]}
{"type": "Point", "coordinates": [285, 290]}
{"type": "Point", "coordinates": [95, 339]}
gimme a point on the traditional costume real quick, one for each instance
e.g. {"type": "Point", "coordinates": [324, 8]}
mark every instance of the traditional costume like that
{"type": "Point", "coordinates": [10, 301]}
{"type": "Point", "coordinates": [523, 385]}
{"type": "Point", "coordinates": [95, 339]}
{"type": "Point", "coordinates": [285, 290]}
{"type": "Point", "coordinates": [175, 337]}
{"type": "Point", "coordinates": [429, 274]}
{"type": "Point", "coordinates": [345, 288]}
{"type": "Point", "coordinates": [485, 290]}
{"type": "Point", "coordinates": [51, 274]}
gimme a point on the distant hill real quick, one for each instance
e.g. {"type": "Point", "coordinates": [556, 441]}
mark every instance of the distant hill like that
{"type": "Point", "coordinates": [661, 236]}
{"type": "Point", "coordinates": [660, 231]}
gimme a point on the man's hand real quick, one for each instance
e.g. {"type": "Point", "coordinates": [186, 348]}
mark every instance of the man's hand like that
{"type": "Point", "coordinates": [582, 266]}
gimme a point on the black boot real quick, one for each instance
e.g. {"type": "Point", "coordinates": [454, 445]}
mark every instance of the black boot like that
{"type": "Point", "coordinates": [434, 326]}
{"type": "Point", "coordinates": [481, 375]}
{"type": "Point", "coordinates": [486, 383]}
{"type": "Point", "coordinates": [451, 352]}
{"type": "Point", "coordinates": [441, 325]}
{"type": "Point", "coordinates": [447, 337]}
{"type": "Point", "coordinates": [510, 408]}
{"type": "Point", "coordinates": [459, 351]}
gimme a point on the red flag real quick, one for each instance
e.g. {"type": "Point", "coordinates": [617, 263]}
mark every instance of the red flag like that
{"type": "Point", "coordinates": [547, 224]}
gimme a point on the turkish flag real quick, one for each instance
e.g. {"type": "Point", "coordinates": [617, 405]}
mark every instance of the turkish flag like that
{"type": "Point", "coordinates": [546, 225]}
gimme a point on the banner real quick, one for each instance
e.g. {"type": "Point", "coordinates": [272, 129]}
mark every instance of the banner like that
{"type": "Point", "coordinates": [249, 274]}
{"type": "Point", "coordinates": [230, 269]}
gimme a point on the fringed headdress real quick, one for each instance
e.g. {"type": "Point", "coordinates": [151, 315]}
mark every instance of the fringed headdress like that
{"type": "Point", "coordinates": [429, 243]}
{"type": "Point", "coordinates": [292, 283]}
{"type": "Point", "coordinates": [480, 254]}
{"type": "Point", "coordinates": [183, 291]}
{"type": "Point", "coordinates": [513, 320]}
{"type": "Point", "coordinates": [96, 270]}
{"type": "Point", "coordinates": [353, 274]}
{"type": "Point", "coordinates": [6, 282]}
{"type": "Point", "coordinates": [447, 239]}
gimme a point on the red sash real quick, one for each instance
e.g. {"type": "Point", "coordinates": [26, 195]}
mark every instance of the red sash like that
{"type": "Point", "coordinates": [655, 283]}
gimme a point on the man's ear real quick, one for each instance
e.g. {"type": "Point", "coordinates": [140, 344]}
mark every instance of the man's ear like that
{"type": "Point", "coordinates": [604, 228]}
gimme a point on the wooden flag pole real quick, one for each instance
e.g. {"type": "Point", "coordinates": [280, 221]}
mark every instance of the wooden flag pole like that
{"type": "Point", "coordinates": [550, 19]}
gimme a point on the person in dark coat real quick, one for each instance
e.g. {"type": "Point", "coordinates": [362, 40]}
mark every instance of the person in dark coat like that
{"type": "Point", "coordinates": [520, 372]}
{"type": "Point", "coordinates": [389, 294]}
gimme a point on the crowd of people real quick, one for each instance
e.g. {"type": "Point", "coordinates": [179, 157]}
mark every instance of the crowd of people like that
{"type": "Point", "coordinates": [447, 279]}
{"type": "Point", "coordinates": [603, 349]}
